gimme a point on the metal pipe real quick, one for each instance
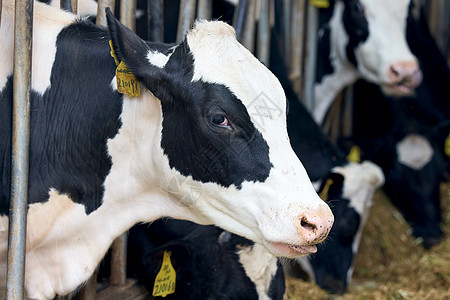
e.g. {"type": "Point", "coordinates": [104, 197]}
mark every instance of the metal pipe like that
{"type": "Point", "coordinates": [74, 6]}
{"type": "Point", "coordinates": [101, 15]}
{"type": "Point", "coordinates": [88, 291]}
{"type": "Point", "coordinates": [187, 13]}
{"type": "Point", "coordinates": [248, 36]}
{"type": "Point", "coordinates": [155, 10]}
{"type": "Point", "coordinates": [239, 18]}
{"type": "Point", "coordinates": [204, 9]}
{"type": "Point", "coordinates": [23, 33]}
{"type": "Point", "coordinates": [263, 50]}
{"type": "Point", "coordinates": [119, 260]}
{"type": "Point", "coordinates": [311, 57]}
{"type": "Point", "coordinates": [287, 7]}
{"type": "Point", "coordinates": [128, 13]}
{"type": "Point", "coordinates": [296, 42]}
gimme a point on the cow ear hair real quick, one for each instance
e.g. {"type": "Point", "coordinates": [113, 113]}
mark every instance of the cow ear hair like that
{"type": "Point", "coordinates": [131, 49]}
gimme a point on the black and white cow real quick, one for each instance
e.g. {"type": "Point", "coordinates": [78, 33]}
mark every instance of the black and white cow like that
{"type": "Point", "coordinates": [195, 146]}
{"type": "Point", "coordinates": [347, 187]}
{"type": "Point", "coordinates": [210, 263]}
{"type": "Point", "coordinates": [363, 39]}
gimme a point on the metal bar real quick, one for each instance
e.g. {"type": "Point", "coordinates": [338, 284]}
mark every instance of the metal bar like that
{"type": "Point", "coordinates": [239, 18]}
{"type": "Point", "coordinates": [156, 20]}
{"type": "Point", "coordinates": [88, 291]}
{"type": "Point", "coordinates": [74, 6]}
{"type": "Point", "coordinates": [128, 13]}
{"type": "Point", "coordinates": [23, 32]}
{"type": "Point", "coordinates": [347, 115]}
{"type": "Point", "coordinates": [101, 15]}
{"type": "Point", "coordinates": [311, 57]}
{"type": "Point", "coordinates": [187, 12]}
{"type": "Point", "coordinates": [204, 9]}
{"type": "Point", "coordinates": [119, 260]}
{"type": "Point", "coordinates": [248, 36]}
{"type": "Point", "coordinates": [287, 7]}
{"type": "Point", "coordinates": [263, 49]}
{"type": "Point", "coordinates": [296, 38]}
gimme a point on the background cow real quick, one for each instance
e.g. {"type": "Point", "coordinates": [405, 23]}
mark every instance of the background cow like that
{"type": "Point", "coordinates": [210, 263]}
{"type": "Point", "coordinates": [190, 148]}
{"type": "Point", "coordinates": [363, 39]}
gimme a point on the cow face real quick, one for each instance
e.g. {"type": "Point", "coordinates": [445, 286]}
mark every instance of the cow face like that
{"type": "Point", "coordinates": [371, 36]}
{"type": "Point", "coordinates": [224, 155]}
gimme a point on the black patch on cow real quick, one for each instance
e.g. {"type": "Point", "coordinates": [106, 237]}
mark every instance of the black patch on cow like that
{"type": "Point", "coordinates": [356, 26]}
{"type": "Point", "coordinates": [197, 148]}
{"type": "Point", "coordinates": [206, 267]}
{"type": "Point", "coordinates": [71, 122]}
{"type": "Point", "coordinates": [277, 285]}
{"type": "Point", "coordinates": [333, 260]}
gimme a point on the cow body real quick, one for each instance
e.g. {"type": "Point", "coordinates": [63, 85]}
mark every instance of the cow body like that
{"type": "Point", "coordinates": [363, 39]}
{"type": "Point", "coordinates": [190, 147]}
{"type": "Point", "coordinates": [210, 263]}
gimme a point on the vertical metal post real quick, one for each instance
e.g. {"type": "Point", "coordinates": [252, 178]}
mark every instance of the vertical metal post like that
{"type": "Point", "coordinates": [264, 33]}
{"type": "Point", "coordinates": [75, 6]}
{"type": "Point", "coordinates": [101, 15]}
{"type": "Point", "coordinates": [128, 13]}
{"type": "Point", "coordinates": [119, 260]}
{"type": "Point", "coordinates": [187, 14]}
{"type": "Point", "coordinates": [296, 44]}
{"type": "Point", "coordinates": [23, 32]}
{"type": "Point", "coordinates": [155, 12]}
{"type": "Point", "coordinates": [239, 17]}
{"type": "Point", "coordinates": [287, 7]}
{"type": "Point", "coordinates": [311, 57]}
{"type": "Point", "coordinates": [204, 10]}
{"type": "Point", "coordinates": [248, 37]}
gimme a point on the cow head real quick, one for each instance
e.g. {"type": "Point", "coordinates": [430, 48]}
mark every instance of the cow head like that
{"type": "Point", "coordinates": [371, 36]}
{"type": "Point", "coordinates": [222, 153]}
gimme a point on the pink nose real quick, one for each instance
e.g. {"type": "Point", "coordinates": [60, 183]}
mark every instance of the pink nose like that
{"type": "Point", "coordinates": [405, 73]}
{"type": "Point", "coordinates": [314, 225]}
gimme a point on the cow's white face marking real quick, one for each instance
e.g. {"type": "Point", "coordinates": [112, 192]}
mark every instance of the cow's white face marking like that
{"type": "Point", "coordinates": [260, 266]}
{"type": "Point", "coordinates": [414, 151]}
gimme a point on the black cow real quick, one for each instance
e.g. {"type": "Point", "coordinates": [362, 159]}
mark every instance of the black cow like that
{"type": "Point", "coordinates": [210, 263]}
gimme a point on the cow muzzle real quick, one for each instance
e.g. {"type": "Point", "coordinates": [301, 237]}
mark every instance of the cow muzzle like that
{"type": "Point", "coordinates": [403, 77]}
{"type": "Point", "coordinates": [312, 226]}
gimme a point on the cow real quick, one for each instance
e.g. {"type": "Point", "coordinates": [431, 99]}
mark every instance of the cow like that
{"type": "Point", "coordinates": [210, 263]}
{"type": "Point", "coordinates": [363, 39]}
{"type": "Point", "coordinates": [196, 145]}
{"type": "Point", "coordinates": [409, 143]}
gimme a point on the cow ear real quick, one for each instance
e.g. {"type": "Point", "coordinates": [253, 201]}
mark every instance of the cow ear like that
{"type": "Point", "coordinates": [131, 49]}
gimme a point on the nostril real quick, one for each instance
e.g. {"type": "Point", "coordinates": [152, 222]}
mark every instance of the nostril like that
{"type": "Point", "coordinates": [394, 71]}
{"type": "Point", "coordinates": [305, 224]}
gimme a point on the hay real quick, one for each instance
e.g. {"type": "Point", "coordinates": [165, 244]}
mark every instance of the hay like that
{"type": "Point", "coordinates": [390, 263]}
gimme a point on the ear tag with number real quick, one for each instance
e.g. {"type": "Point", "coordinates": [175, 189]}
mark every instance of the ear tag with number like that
{"type": "Point", "coordinates": [127, 83]}
{"type": "Point", "coordinates": [166, 278]}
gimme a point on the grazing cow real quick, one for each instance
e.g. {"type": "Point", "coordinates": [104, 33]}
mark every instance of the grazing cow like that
{"type": "Point", "coordinates": [409, 143]}
{"type": "Point", "coordinates": [363, 39]}
{"type": "Point", "coordinates": [196, 145]}
{"type": "Point", "coordinates": [348, 187]}
{"type": "Point", "coordinates": [210, 263]}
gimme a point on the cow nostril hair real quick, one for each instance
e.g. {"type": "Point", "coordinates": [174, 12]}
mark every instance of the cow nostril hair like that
{"type": "Point", "coordinates": [305, 224]}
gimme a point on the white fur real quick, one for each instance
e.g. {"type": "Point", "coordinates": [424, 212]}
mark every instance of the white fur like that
{"type": "Point", "coordinates": [385, 45]}
{"type": "Point", "coordinates": [414, 151]}
{"type": "Point", "coordinates": [158, 59]}
{"type": "Point", "coordinates": [260, 266]}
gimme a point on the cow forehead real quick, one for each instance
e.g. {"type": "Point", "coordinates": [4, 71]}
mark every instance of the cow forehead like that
{"type": "Point", "coordinates": [219, 58]}
{"type": "Point", "coordinates": [392, 10]}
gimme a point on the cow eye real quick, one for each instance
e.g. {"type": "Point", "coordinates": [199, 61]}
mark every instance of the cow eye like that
{"type": "Point", "coordinates": [220, 120]}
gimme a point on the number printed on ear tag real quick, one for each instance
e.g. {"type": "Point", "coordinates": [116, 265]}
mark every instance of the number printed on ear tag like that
{"type": "Point", "coordinates": [166, 278]}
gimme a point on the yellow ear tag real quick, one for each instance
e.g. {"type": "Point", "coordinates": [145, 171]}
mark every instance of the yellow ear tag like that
{"type": "Point", "coordinates": [354, 155]}
{"type": "Point", "coordinates": [166, 278]}
{"type": "Point", "coordinates": [447, 146]}
{"type": "Point", "coordinates": [324, 193]}
{"type": "Point", "coordinates": [320, 3]}
{"type": "Point", "coordinates": [127, 83]}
